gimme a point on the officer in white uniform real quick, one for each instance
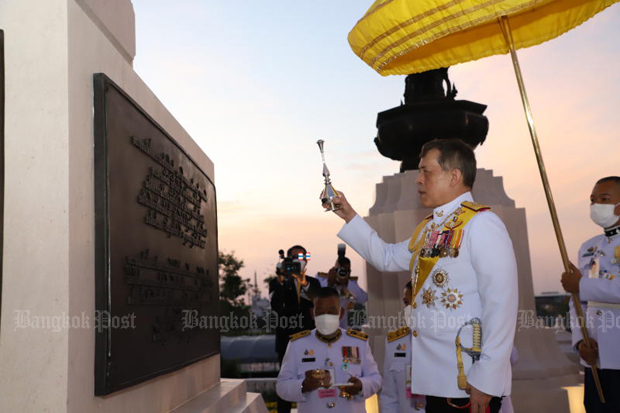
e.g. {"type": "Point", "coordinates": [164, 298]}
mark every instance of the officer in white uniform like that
{"type": "Point", "coordinates": [464, 267]}
{"type": "Point", "coordinates": [396, 396]}
{"type": "Point", "coordinates": [318, 361]}
{"type": "Point", "coordinates": [597, 280]}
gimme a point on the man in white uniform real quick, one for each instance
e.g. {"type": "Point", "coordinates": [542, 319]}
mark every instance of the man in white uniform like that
{"type": "Point", "coordinates": [396, 396]}
{"type": "Point", "coordinates": [597, 281]}
{"type": "Point", "coordinates": [317, 361]}
{"type": "Point", "coordinates": [464, 271]}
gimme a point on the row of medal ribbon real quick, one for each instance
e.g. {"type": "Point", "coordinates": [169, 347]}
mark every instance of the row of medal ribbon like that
{"type": "Point", "coordinates": [350, 355]}
{"type": "Point", "coordinates": [442, 243]}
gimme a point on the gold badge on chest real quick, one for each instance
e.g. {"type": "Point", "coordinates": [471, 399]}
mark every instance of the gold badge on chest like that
{"type": "Point", "coordinates": [440, 277]}
{"type": "Point", "coordinates": [429, 297]}
{"type": "Point", "coordinates": [451, 298]}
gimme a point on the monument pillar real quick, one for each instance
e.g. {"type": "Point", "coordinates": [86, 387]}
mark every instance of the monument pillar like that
{"type": "Point", "coordinates": [52, 49]}
{"type": "Point", "coordinates": [542, 368]}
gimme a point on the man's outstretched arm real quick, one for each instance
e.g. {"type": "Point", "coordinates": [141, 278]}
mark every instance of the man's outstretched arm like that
{"type": "Point", "coordinates": [366, 242]}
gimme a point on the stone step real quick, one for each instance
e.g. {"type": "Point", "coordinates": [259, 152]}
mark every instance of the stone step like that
{"type": "Point", "coordinates": [254, 403]}
{"type": "Point", "coordinates": [228, 396]}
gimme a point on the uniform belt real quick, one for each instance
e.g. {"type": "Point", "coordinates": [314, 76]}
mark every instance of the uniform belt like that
{"type": "Point", "coordinates": [603, 305]}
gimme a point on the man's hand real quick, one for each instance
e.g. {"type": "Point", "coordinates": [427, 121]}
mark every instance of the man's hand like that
{"type": "Point", "coordinates": [343, 209]}
{"type": "Point", "coordinates": [570, 279]}
{"type": "Point", "coordinates": [301, 279]}
{"type": "Point", "coordinates": [310, 384]}
{"type": "Point", "coordinates": [331, 277]}
{"type": "Point", "coordinates": [588, 354]}
{"type": "Point", "coordinates": [356, 388]}
{"type": "Point", "coordinates": [479, 400]}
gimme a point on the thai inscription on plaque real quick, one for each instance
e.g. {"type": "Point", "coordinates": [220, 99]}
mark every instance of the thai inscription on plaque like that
{"type": "Point", "coordinates": [156, 246]}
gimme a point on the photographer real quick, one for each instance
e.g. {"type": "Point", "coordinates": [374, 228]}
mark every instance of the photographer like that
{"type": "Point", "coordinates": [339, 278]}
{"type": "Point", "coordinates": [291, 295]}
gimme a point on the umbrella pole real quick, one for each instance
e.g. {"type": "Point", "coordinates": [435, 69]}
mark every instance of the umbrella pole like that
{"type": "Point", "coordinates": [505, 26]}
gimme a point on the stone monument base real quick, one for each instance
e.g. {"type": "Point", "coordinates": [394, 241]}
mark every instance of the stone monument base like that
{"type": "Point", "coordinates": [52, 48]}
{"type": "Point", "coordinates": [554, 394]}
{"type": "Point", "coordinates": [227, 396]}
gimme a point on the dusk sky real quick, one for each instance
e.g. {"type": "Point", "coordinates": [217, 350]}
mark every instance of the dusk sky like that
{"type": "Point", "coordinates": [256, 84]}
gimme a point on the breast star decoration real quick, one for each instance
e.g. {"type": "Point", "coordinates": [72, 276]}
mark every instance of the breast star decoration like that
{"type": "Point", "coordinates": [451, 298]}
{"type": "Point", "coordinates": [428, 297]}
{"type": "Point", "coordinates": [440, 277]}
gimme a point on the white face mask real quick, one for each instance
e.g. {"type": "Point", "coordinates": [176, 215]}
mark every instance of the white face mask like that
{"type": "Point", "coordinates": [327, 324]}
{"type": "Point", "coordinates": [408, 312]}
{"type": "Point", "coordinates": [603, 214]}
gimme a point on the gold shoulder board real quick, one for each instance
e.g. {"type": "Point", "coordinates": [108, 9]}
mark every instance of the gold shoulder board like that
{"type": "Point", "coordinates": [475, 206]}
{"type": "Point", "coordinates": [322, 274]}
{"type": "Point", "coordinates": [301, 334]}
{"type": "Point", "coordinates": [357, 334]}
{"type": "Point", "coordinates": [396, 334]}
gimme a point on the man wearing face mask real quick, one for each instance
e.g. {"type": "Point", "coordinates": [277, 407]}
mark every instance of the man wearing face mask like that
{"type": "Point", "coordinates": [329, 368]}
{"type": "Point", "coordinates": [465, 274]}
{"type": "Point", "coordinates": [291, 300]}
{"type": "Point", "coordinates": [597, 281]}
{"type": "Point", "coordinates": [396, 395]}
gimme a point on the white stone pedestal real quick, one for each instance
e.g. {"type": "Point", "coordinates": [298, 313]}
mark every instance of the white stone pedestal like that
{"type": "Point", "coordinates": [52, 50]}
{"type": "Point", "coordinates": [396, 212]}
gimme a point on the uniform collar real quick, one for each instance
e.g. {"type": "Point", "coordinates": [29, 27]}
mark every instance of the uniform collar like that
{"type": "Point", "coordinates": [612, 232]}
{"type": "Point", "coordinates": [441, 212]}
{"type": "Point", "coordinates": [328, 340]}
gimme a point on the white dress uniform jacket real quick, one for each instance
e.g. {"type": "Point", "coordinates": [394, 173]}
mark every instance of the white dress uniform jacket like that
{"type": "Point", "coordinates": [599, 292]}
{"type": "Point", "coordinates": [309, 352]}
{"type": "Point", "coordinates": [394, 397]}
{"type": "Point", "coordinates": [485, 274]}
{"type": "Point", "coordinates": [358, 296]}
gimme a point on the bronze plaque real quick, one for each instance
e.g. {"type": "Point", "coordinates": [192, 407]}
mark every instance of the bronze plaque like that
{"type": "Point", "coordinates": [156, 247]}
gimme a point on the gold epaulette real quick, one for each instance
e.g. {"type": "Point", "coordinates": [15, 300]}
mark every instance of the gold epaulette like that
{"type": "Point", "coordinates": [396, 334]}
{"type": "Point", "coordinates": [429, 217]}
{"type": "Point", "coordinates": [475, 206]}
{"type": "Point", "coordinates": [357, 334]}
{"type": "Point", "coordinates": [301, 334]}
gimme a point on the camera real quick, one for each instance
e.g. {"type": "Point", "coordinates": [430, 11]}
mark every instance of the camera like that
{"type": "Point", "coordinates": [288, 265]}
{"type": "Point", "coordinates": [342, 261]}
{"type": "Point", "coordinates": [343, 272]}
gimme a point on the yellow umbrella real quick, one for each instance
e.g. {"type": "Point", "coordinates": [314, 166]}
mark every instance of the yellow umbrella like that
{"type": "Point", "coordinates": [400, 37]}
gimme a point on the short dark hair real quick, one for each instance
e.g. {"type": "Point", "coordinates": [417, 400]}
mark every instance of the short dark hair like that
{"type": "Point", "coordinates": [295, 247]}
{"type": "Point", "coordinates": [409, 285]}
{"type": "Point", "coordinates": [614, 179]}
{"type": "Point", "coordinates": [454, 154]}
{"type": "Point", "coordinates": [326, 292]}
